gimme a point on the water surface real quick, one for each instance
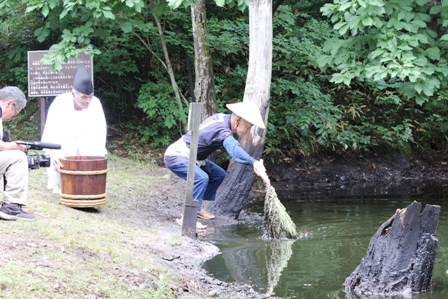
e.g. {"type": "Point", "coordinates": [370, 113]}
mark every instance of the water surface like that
{"type": "Point", "coordinates": [335, 228]}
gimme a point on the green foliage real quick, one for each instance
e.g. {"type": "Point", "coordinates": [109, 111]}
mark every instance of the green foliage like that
{"type": "Point", "coordinates": [240, 4]}
{"type": "Point", "coordinates": [376, 78]}
{"type": "Point", "coordinates": [157, 101]}
{"type": "Point", "coordinates": [393, 40]}
{"type": "Point", "coordinates": [305, 119]}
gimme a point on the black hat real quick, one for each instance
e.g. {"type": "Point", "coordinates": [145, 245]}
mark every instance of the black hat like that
{"type": "Point", "coordinates": [83, 81]}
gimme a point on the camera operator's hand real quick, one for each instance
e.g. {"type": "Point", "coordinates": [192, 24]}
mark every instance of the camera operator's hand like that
{"type": "Point", "coordinates": [56, 159]}
{"type": "Point", "coordinates": [8, 146]}
{"type": "Point", "coordinates": [20, 147]}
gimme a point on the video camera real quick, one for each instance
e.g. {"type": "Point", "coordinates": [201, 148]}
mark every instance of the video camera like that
{"type": "Point", "coordinates": [35, 161]}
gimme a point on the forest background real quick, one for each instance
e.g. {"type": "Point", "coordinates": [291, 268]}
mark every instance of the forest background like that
{"type": "Point", "coordinates": [348, 76]}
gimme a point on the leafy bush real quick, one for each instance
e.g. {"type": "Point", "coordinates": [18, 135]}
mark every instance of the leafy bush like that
{"type": "Point", "coordinates": [162, 112]}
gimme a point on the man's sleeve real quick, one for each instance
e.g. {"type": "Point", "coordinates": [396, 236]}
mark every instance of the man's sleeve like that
{"type": "Point", "coordinates": [234, 148]}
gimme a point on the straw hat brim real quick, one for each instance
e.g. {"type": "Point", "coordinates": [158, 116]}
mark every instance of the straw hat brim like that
{"type": "Point", "coordinates": [249, 112]}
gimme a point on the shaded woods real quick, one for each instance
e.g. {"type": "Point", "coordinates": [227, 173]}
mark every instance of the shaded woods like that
{"type": "Point", "coordinates": [320, 102]}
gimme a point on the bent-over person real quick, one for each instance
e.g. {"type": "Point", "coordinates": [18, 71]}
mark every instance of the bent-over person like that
{"type": "Point", "coordinates": [216, 131]}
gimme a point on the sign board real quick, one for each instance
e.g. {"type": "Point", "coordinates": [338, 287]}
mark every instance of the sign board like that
{"type": "Point", "coordinates": [43, 82]}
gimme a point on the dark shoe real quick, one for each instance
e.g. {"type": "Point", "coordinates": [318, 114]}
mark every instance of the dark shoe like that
{"type": "Point", "coordinates": [12, 211]}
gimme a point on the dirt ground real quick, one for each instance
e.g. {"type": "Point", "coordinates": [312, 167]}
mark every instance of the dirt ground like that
{"type": "Point", "coordinates": [159, 209]}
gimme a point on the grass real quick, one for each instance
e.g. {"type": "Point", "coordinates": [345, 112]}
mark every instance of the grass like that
{"type": "Point", "coordinates": [72, 253]}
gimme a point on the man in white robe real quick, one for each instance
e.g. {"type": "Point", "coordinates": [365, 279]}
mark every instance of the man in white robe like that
{"type": "Point", "coordinates": [76, 121]}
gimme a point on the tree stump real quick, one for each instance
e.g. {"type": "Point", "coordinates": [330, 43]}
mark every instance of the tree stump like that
{"type": "Point", "coordinates": [401, 255]}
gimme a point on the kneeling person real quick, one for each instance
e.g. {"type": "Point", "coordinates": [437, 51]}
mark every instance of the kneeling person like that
{"type": "Point", "coordinates": [13, 159]}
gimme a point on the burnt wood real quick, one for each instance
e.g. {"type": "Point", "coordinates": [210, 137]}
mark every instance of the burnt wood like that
{"type": "Point", "coordinates": [401, 255]}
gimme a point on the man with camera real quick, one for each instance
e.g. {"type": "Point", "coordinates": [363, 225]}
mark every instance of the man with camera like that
{"type": "Point", "coordinates": [13, 159]}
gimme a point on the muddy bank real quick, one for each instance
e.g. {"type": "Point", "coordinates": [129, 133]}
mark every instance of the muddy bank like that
{"type": "Point", "coordinates": [350, 175]}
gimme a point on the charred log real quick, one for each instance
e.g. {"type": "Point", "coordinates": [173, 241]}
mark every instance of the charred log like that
{"type": "Point", "coordinates": [401, 255]}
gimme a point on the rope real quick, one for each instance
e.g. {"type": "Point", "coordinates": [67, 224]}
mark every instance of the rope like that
{"type": "Point", "coordinates": [74, 172]}
{"type": "Point", "coordinates": [83, 203]}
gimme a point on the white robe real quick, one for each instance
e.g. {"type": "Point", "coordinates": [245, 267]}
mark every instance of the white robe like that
{"type": "Point", "coordinates": [80, 133]}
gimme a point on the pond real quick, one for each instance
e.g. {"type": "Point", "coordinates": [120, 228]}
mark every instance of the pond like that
{"type": "Point", "coordinates": [335, 227]}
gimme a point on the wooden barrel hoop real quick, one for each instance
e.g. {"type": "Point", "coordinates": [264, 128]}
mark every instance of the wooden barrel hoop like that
{"type": "Point", "coordinates": [70, 196]}
{"type": "Point", "coordinates": [72, 172]}
{"type": "Point", "coordinates": [83, 203]}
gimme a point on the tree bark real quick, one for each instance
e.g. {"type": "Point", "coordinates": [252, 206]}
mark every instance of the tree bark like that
{"type": "Point", "coordinates": [401, 254]}
{"type": "Point", "coordinates": [204, 90]}
{"type": "Point", "coordinates": [233, 192]}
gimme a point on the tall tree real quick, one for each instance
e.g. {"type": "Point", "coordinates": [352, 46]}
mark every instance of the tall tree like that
{"type": "Point", "coordinates": [204, 90]}
{"type": "Point", "coordinates": [233, 192]}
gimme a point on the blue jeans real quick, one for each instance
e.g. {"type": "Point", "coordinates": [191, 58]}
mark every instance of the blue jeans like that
{"type": "Point", "coordinates": [205, 185]}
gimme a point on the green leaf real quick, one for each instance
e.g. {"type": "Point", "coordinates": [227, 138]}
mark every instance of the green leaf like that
{"type": "Point", "coordinates": [422, 38]}
{"type": "Point", "coordinates": [343, 29]}
{"type": "Point", "coordinates": [174, 3]}
{"type": "Point", "coordinates": [422, 2]}
{"type": "Point", "coordinates": [408, 90]}
{"type": "Point", "coordinates": [354, 22]}
{"type": "Point", "coordinates": [435, 9]}
{"type": "Point", "coordinates": [126, 27]}
{"type": "Point", "coordinates": [323, 61]}
{"type": "Point", "coordinates": [367, 21]}
{"type": "Point", "coordinates": [376, 53]}
{"type": "Point", "coordinates": [345, 6]}
{"type": "Point", "coordinates": [414, 75]}
{"type": "Point", "coordinates": [220, 3]}
{"type": "Point", "coordinates": [433, 53]}
{"type": "Point", "coordinates": [419, 23]}
{"type": "Point", "coordinates": [421, 61]}
{"type": "Point", "coordinates": [428, 89]}
{"type": "Point", "coordinates": [444, 37]}
{"type": "Point", "coordinates": [53, 3]}
{"type": "Point", "coordinates": [420, 99]}
{"type": "Point", "coordinates": [409, 27]}
{"type": "Point", "coordinates": [108, 15]}
{"type": "Point", "coordinates": [371, 71]}
{"type": "Point", "coordinates": [45, 10]}
{"type": "Point", "coordinates": [418, 87]}
{"type": "Point", "coordinates": [63, 13]}
{"type": "Point", "coordinates": [57, 66]}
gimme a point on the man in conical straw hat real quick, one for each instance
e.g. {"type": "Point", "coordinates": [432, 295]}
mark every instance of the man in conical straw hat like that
{"type": "Point", "coordinates": [216, 131]}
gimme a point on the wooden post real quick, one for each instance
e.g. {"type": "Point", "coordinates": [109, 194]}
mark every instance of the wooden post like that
{"type": "Point", "coordinates": [190, 205]}
{"type": "Point", "coordinates": [42, 115]}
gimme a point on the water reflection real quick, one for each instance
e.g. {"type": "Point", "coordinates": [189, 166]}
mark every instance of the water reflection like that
{"type": "Point", "coordinates": [256, 262]}
{"type": "Point", "coordinates": [336, 231]}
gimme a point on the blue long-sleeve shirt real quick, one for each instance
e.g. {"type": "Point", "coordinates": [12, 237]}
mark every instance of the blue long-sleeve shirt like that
{"type": "Point", "coordinates": [214, 132]}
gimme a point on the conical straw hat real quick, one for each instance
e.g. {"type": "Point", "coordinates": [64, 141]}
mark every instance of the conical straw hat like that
{"type": "Point", "coordinates": [249, 112]}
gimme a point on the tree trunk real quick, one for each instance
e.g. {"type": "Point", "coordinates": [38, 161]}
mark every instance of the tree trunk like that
{"type": "Point", "coordinates": [233, 192]}
{"type": "Point", "coordinates": [204, 90]}
{"type": "Point", "coordinates": [401, 254]}
{"type": "Point", "coordinates": [169, 67]}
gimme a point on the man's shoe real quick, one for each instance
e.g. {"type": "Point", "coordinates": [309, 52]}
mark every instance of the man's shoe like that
{"type": "Point", "coordinates": [12, 211]}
